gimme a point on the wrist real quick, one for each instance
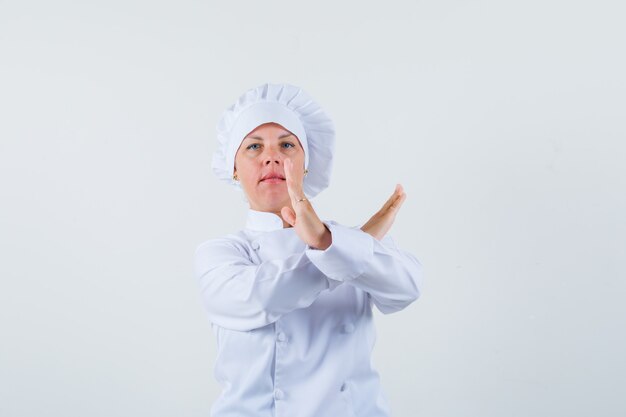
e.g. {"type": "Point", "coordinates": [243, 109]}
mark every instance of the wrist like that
{"type": "Point", "coordinates": [325, 239]}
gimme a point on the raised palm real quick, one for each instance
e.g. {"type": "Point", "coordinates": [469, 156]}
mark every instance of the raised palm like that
{"type": "Point", "coordinates": [380, 223]}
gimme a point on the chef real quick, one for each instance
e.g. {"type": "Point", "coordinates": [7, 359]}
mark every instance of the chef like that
{"type": "Point", "coordinates": [290, 296]}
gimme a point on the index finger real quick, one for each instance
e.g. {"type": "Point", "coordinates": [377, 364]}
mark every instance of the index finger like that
{"type": "Point", "coordinates": [292, 180]}
{"type": "Point", "coordinates": [397, 194]}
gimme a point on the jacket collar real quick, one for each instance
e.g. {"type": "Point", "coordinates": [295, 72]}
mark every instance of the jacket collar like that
{"type": "Point", "coordinates": [263, 221]}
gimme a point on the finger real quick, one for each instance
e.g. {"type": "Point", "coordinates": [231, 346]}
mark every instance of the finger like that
{"type": "Point", "coordinates": [289, 177]}
{"type": "Point", "coordinates": [396, 194]}
{"type": "Point", "coordinates": [400, 196]}
{"type": "Point", "coordinates": [400, 189]}
{"type": "Point", "coordinates": [294, 181]}
{"type": "Point", "coordinates": [389, 201]}
{"type": "Point", "coordinates": [398, 201]}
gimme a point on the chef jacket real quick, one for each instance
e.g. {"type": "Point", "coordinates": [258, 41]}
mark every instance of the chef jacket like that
{"type": "Point", "coordinates": [294, 324]}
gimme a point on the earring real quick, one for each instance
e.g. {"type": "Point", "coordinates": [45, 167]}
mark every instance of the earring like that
{"type": "Point", "coordinates": [306, 171]}
{"type": "Point", "coordinates": [235, 177]}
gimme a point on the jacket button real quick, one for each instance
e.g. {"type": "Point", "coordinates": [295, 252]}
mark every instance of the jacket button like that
{"type": "Point", "coordinates": [281, 337]}
{"type": "Point", "coordinates": [255, 245]}
{"type": "Point", "coordinates": [344, 387]}
{"type": "Point", "coordinates": [278, 394]}
{"type": "Point", "coordinates": [348, 328]}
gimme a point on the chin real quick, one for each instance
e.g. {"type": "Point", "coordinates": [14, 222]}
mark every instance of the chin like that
{"type": "Point", "coordinates": [273, 202]}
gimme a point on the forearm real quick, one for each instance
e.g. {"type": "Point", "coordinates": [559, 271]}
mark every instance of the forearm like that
{"type": "Point", "coordinates": [240, 295]}
{"type": "Point", "coordinates": [391, 276]}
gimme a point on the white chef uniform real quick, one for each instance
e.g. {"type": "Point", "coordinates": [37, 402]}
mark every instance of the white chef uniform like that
{"type": "Point", "coordinates": [294, 324]}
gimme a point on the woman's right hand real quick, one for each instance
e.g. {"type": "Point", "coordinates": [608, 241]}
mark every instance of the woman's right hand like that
{"type": "Point", "coordinates": [380, 223]}
{"type": "Point", "coordinates": [301, 214]}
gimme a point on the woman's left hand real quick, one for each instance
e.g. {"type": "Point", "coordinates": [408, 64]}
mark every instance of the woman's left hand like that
{"type": "Point", "coordinates": [380, 223]}
{"type": "Point", "coordinates": [301, 214]}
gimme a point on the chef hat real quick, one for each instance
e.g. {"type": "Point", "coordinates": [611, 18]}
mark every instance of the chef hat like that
{"type": "Point", "coordinates": [293, 109]}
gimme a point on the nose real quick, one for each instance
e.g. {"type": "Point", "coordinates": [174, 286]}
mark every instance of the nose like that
{"type": "Point", "coordinates": [272, 156]}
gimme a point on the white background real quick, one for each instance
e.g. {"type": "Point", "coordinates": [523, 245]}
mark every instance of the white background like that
{"type": "Point", "coordinates": [504, 122]}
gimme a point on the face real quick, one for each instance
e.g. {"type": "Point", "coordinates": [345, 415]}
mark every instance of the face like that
{"type": "Point", "coordinates": [261, 154]}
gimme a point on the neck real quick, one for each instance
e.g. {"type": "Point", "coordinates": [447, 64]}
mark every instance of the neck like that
{"type": "Point", "coordinates": [278, 213]}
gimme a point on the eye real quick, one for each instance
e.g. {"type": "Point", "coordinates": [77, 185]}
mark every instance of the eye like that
{"type": "Point", "coordinates": [291, 145]}
{"type": "Point", "coordinates": [250, 146]}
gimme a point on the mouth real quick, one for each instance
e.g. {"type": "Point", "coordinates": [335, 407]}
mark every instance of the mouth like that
{"type": "Point", "coordinates": [272, 177]}
{"type": "Point", "coordinates": [273, 180]}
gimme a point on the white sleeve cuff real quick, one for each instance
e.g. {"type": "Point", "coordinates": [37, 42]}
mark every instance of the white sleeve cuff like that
{"type": "Point", "coordinates": [346, 257]}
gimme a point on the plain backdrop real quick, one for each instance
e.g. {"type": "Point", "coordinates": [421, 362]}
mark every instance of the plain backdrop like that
{"type": "Point", "coordinates": [504, 122]}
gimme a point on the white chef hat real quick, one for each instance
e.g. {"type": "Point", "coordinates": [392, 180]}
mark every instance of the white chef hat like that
{"type": "Point", "coordinates": [293, 109]}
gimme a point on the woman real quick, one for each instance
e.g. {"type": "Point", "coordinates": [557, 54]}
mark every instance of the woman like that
{"type": "Point", "coordinates": [290, 296]}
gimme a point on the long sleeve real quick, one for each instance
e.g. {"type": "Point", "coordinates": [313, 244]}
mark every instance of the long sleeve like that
{"type": "Point", "coordinates": [240, 295]}
{"type": "Point", "coordinates": [391, 276]}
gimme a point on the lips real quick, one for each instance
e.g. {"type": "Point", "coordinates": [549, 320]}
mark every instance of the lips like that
{"type": "Point", "coordinates": [272, 176]}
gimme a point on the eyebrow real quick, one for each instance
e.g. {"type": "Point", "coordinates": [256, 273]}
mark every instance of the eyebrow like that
{"type": "Point", "coordinates": [286, 135]}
